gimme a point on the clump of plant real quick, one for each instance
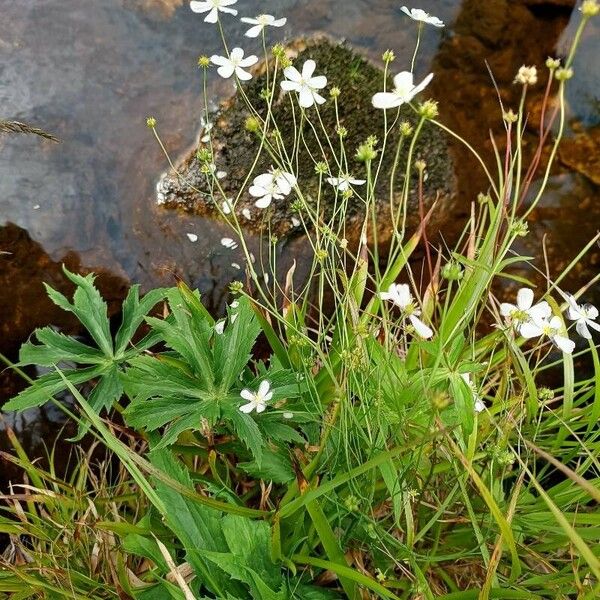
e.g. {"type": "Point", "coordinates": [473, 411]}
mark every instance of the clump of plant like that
{"type": "Point", "coordinates": [389, 443]}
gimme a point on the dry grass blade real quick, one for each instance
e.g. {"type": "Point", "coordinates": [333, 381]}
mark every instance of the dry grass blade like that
{"type": "Point", "coordinates": [175, 572]}
{"type": "Point", "coordinates": [18, 127]}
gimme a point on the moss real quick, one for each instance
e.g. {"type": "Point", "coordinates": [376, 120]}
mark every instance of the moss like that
{"type": "Point", "coordinates": [235, 147]}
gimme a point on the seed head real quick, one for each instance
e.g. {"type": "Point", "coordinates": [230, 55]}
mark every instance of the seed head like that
{"type": "Point", "coordinates": [151, 122]}
{"type": "Point", "coordinates": [527, 75]}
{"type": "Point", "coordinates": [203, 62]}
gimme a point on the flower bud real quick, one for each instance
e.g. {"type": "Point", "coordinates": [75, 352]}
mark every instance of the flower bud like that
{"type": "Point", "coordinates": [204, 62]}
{"type": "Point", "coordinates": [335, 92]}
{"type": "Point", "coordinates": [341, 131]}
{"type": "Point", "coordinates": [552, 63]}
{"type": "Point", "coordinates": [452, 271]}
{"type": "Point", "coordinates": [563, 74]}
{"type": "Point", "coordinates": [406, 129]}
{"type": "Point", "coordinates": [151, 122]}
{"type": "Point", "coordinates": [204, 155]}
{"type": "Point", "coordinates": [321, 168]}
{"type": "Point", "coordinates": [236, 287]}
{"type": "Point", "coordinates": [590, 8]}
{"type": "Point", "coordinates": [429, 109]}
{"type": "Point", "coordinates": [510, 117]}
{"type": "Point", "coordinates": [252, 124]}
{"type": "Point", "coordinates": [388, 56]}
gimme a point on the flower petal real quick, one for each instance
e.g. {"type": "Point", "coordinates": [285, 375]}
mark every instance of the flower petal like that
{"type": "Point", "coordinates": [279, 22]}
{"type": "Point", "coordinates": [226, 71]}
{"type": "Point", "coordinates": [263, 388]}
{"type": "Point", "coordinates": [420, 327]}
{"type": "Point", "coordinates": [507, 309]}
{"type": "Point", "coordinates": [524, 298]}
{"type": "Point", "coordinates": [290, 86]}
{"type": "Point", "coordinates": [200, 7]}
{"type": "Point", "coordinates": [212, 16]}
{"type": "Point", "coordinates": [248, 408]}
{"type": "Point", "coordinates": [248, 61]}
{"type": "Point", "coordinates": [254, 31]}
{"type": "Point", "coordinates": [564, 343]}
{"type": "Point", "coordinates": [236, 54]}
{"type": "Point", "coordinates": [530, 330]}
{"type": "Point", "coordinates": [404, 80]}
{"type": "Point", "coordinates": [246, 394]}
{"type": "Point", "coordinates": [540, 311]}
{"type": "Point", "coordinates": [231, 11]}
{"type": "Point", "coordinates": [264, 202]}
{"type": "Point", "coordinates": [386, 100]}
{"type": "Point", "coordinates": [215, 59]}
{"type": "Point", "coordinates": [242, 75]}
{"type": "Point", "coordinates": [583, 330]}
{"type": "Point", "coordinates": [318, 82]}
{"type": "Point", "coordinates": [249, 20]}
{"type": "Point", "coordinates": [305, 97]}
{"type": "Point", "coordinates": [292, 74]}
{"type": "Point", "coordinates": [423, 84]}
{"type": "Point", "coordinates": [308, 69]}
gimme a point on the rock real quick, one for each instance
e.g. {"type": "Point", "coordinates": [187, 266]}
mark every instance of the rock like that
{"type": "Point", "coordinates": [582, 153]}
{"type": "Point", "coordinates": [235, 149]}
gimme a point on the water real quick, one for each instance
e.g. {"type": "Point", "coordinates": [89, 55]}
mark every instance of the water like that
{"type": "Point", "coordinates": [90, 71]}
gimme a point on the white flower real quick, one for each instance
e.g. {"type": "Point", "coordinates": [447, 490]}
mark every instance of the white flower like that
{"type": "Point", "coordinates": [256, 400]}
{"type": "Point", "coordinates": [404, 91]}
{"type": "Point", "coordinates": [585, 316]}
{"type": "Point", "coordinates": [219, 327]}
{"type": "Point", "coordinates": [235, 63]}
{"type": "Point", "coordinates": [524, 312]}
{"type": "Point", "coordinates": [218, 174]}
{"type": "Point", "coordinates": [551, 328]}
{"type": "Point", "coordinates": [227, 206]}
{"type": "Point", "coordinates": [526, 75]}
{"type": "Point", "coordinates": [399, 294]}
{"type": "Point", "coordinates": [343, 182]}
{"type": "Point", "coordinates": [478, 404]}
{"type": "Point", "coordinates": [212, 7]}
{"type": "Point", "coordinates": [229, 243]}
{"type": "Point", "coordinates": [247, 214]}
{"type": "Point", "coordinates": [192, 237]}
{"type": "Point", "coordinates": [260, 23]}
{"type": "Point", "coordinates": [271, 186]}
{"type": "Point", "coordinates": [416, 14]}
{"type": "Point", "coordinates": [207, 127]}
{"type": "Point", "coordinates": [305, 84]}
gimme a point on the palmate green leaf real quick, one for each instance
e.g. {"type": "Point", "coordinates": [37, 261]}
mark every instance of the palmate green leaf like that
{"type": "Point", "coordinates": [246, 429]}
{"type": "Point", "coordinates": [49, 385]}
{"type": "Point", "coordinates": [233, 347]}
{"type": "Point", "coordinates": [134, 311]}
{"type": "Point", "coordinates": [55, 347]}
{"type": "Point", "coordinates": [275, 466]}
{"type": "Point", "coordinates": [154, 377]}
{"type": "Point", "coordinates": [187, 336]}
{"type": "Point", "coordinates": [88, 306]}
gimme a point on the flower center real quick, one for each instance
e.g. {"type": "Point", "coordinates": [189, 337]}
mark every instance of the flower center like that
{"type": "Point", "coordinates": [262, 19]}
{"type": "Point", "coordinates": [519, 315]}
{"type": "Point", "coordinates": [549, 330]}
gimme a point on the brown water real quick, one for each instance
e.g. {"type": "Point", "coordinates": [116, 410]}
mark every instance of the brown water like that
{"type": "Point", "coordinates": [91, 71]}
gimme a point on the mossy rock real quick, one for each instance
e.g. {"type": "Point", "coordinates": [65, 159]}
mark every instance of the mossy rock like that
{"type": "Point", "coordinates": [235, 149]}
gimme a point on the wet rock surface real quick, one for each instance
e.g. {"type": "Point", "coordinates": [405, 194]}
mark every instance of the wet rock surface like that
{"type": "Point", "coordinates": [235, 149]}
{"type": "Point", "coordinates": [581, 153]}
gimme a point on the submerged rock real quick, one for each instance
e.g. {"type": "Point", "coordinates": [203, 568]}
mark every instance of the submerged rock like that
{"type": "Point", "coordinates": [235, 150]}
